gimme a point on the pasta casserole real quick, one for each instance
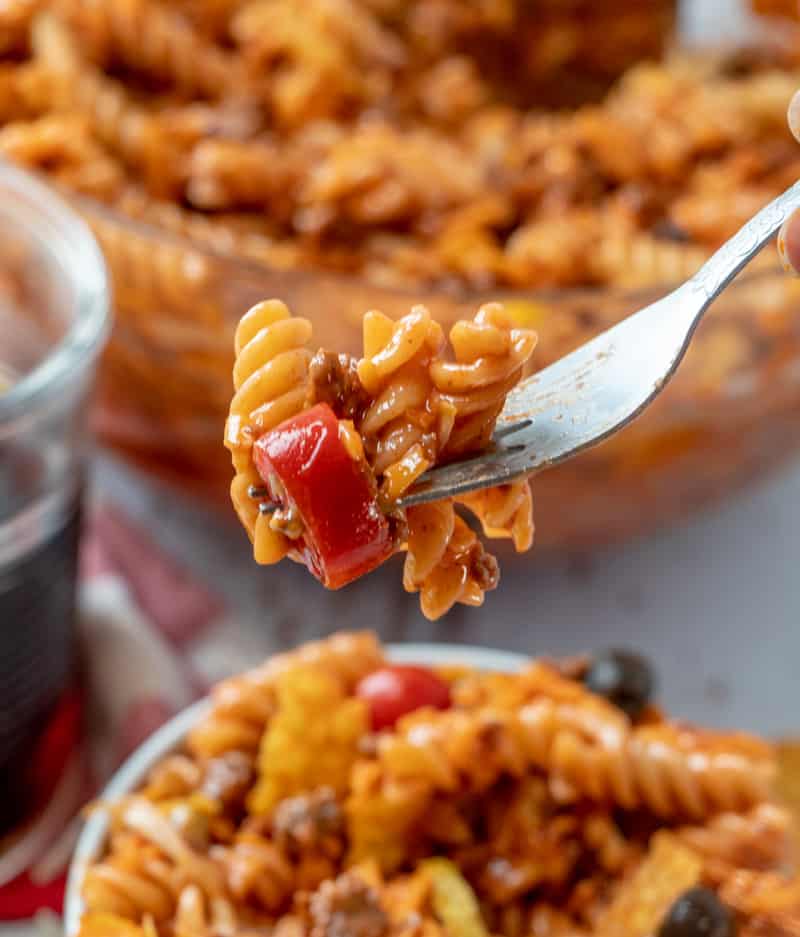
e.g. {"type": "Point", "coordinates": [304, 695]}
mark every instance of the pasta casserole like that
{"type": "Point", "coordinates": [225, 150]}
{"type": "Point", "coordinates": [410, 142]}
{"type": "Point", "coordinates": [330, 793]}
{"type": "Point", "coordinates": [370, 427]}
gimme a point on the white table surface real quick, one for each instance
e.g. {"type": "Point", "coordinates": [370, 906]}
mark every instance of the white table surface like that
{"type": "Point", "coordinates": [714, 603]}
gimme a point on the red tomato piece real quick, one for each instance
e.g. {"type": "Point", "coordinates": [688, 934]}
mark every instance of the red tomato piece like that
{"type": "Point", "coordinates": [392, 692]}
{"type": "Point", "coordinates": [345, 533]}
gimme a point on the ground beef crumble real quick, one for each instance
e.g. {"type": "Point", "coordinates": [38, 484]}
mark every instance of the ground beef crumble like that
{"type": "Point", "coordinates": [347, 907]}
{"type": "Point", "coordinates": [484, 569]}
{"type": "Point", "coordinates": [310, 822]}
{"type": "Point", "coordinates": [334, 380]}
{"type": "Point", "coordinates": [228, 779]}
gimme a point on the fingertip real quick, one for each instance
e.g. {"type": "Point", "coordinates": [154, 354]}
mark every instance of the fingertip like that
{"type": "Point", "coordinates": [789, 244]}
{"type": "Point", "coordinates": [794, 115]}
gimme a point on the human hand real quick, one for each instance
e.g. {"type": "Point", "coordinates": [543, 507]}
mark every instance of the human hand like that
{"type": "Point", "coordinates": [789, 238]}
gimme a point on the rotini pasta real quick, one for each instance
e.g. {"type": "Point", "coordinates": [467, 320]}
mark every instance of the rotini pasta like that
{"type": "Point", "coordinates": [15, 20]}
{"type": "Point", "coordinates": [133, 134]}
{"type": "Point", "coordinates": [271, 382]}
{"type": "Point", "coordinates": [420, 145]}
{"type": "Point", "coordinates": [242, 705]}
{"type": "Point", "coordinates": [588, 751]}
{"type": "Point", "coordinates": [375, 140]}
{"type": "Point", "coordinates": [149, 38]}
{"type": "Point", "coordinates": [26, 92]}
{"type": "Point", "coordinates": [404, 407]}
{"type": "Point", "coordinates": [445, 561]}
{"type": "Point", "coordinates": [445, 822]}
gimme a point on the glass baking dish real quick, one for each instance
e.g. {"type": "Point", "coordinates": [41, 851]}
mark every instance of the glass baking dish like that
{"type": "Point", "coordinates": [732, 412]}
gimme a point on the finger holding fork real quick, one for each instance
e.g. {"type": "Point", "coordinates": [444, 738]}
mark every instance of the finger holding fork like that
{"type": "Point", "coordinates": [789, 237]}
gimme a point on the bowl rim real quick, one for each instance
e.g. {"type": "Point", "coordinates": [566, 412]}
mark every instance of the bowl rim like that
{"type": "Point", "coordinates": [92, 836]}
{"type": "Point", "coordinates": [422, 292]}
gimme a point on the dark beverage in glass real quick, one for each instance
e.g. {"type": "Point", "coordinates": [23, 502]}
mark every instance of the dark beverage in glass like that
{"type": "Point", "coordinates": [53, 320]}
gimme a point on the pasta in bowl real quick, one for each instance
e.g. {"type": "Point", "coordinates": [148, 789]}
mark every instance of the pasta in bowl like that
{"type": "Point", "coordinates": [332, 791]}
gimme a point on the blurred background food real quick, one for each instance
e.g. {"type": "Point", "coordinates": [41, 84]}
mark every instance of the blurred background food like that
{"type": "Point", "coordinates": [567, 157]}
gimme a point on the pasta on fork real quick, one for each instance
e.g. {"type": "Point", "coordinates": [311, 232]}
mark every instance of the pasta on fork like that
{"type": "Point", "coordinates": [324, 446]}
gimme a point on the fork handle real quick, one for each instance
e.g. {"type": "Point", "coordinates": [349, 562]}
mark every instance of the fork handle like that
{"type": "Point", "coordinates": [712, 278]}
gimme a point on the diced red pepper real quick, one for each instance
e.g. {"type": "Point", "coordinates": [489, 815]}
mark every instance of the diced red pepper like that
{"type": "Point", "coordinates": [393, 692]}
{"type": "Point", "coordinates": [345, 533]}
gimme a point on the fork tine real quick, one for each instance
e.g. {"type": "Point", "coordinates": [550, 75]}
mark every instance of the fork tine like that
{"type": "Point", "coordinates": [497, 467]}
{"type": "Point", "coordinates": [507, 429]}
{"type": "Point", "coordinates": [265, 507]}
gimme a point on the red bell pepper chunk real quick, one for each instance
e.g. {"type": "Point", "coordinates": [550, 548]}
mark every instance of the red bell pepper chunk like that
{"type": "Point", "coordinates": [345, 533]}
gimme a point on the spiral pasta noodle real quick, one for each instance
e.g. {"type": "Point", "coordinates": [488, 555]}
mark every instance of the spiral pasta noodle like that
{"type": "Point", "coordinates": [445, 561]}
{"type": "Point", "coordinates": [129, 883]}
{"type": "Point", "coordinates": [150, 38]}
{"type": "Point", "coordinates": [489, 355]}
{"type": "Point", "coordinates": [229, 174]}
{"type": "Point", "coordinates": [669, 772]}
{"type": "Point", "coordinates": [153, 864]}
{"type": "Point", "coordinates": [505, 511]}
{"type": "Point", "coordinates": [25, 91]}
{"type": "Point", "coordinates": [135, 135]}
{"type": "Point", "coordinates": [15, 20]}
{"type": "Point", "coordinates": [402, 427]}
{"type": "Point", "coordinates": [758, 839]}
{"type": "Point", "coordinates": [427, 408]}
{"type": "Point", "coordinates": [242, 706]}
{"type": "Point", "coordinates": [593, 749]}
{"type": "Point", "coordinates": [590, 749]}
{"type": "Point", "coordinates": [271, 382]}
{"type": "Point", "coordinates": [374, 141]}
{"type": "Point", "coordinates": [197, 917]}
{"type": "Point", "coordinates": [64, 144]}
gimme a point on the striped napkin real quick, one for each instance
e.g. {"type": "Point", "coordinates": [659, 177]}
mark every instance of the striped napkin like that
{"type": "Point", "coordinates": [153, 637]}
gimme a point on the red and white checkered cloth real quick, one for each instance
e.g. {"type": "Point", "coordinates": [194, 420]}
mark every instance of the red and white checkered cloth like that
{"type": "Point", "coordinates": [149, 633]}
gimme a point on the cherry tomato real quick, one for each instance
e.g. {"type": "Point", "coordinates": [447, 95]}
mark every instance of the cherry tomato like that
{"type": "Point", "coordinates": [345, 533]}
{"type": "Point", "coordinates": [391, 692]}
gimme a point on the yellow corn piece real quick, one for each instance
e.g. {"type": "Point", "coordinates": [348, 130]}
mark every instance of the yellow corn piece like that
{"type": "Point", "coordinates": [312, 741]}
{"type": "Point", "coordinates": [453, 899]}
{"type": "Point", "coordinates": [101, 924]}
{"type": "Point", "coordinates": [666, 872]}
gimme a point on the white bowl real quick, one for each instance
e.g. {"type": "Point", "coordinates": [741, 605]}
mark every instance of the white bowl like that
{"type": "Point", "coordinates": [169, 737]}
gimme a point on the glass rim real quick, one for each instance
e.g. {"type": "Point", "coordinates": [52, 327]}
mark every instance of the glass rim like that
{"type": "Point", "coordinates": [59, 230]}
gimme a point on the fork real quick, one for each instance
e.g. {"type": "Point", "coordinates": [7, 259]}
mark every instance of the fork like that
{"type": "Point", "coordinates": [601, 387]}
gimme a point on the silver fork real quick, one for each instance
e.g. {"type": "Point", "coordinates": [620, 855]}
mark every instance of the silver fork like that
{"type": "Point", "coordinates": [598, 389]}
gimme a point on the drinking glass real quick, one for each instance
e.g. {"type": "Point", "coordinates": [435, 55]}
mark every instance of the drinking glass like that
{"type": "Point", "coordinates": [53, 321]}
